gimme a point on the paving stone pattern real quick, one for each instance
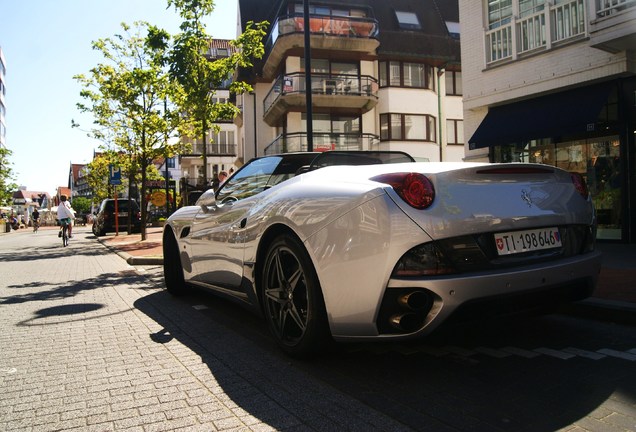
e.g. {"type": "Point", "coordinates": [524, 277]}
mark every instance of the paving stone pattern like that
{"type": "Point", "coordinates": [87, 344]}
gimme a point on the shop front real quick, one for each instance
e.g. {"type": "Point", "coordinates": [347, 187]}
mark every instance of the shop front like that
{"type": "Point", "coordinates": [589, 130]}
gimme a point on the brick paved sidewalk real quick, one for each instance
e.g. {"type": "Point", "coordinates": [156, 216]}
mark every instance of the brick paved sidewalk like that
{"type": "Point", "coordinates": [89, 344]}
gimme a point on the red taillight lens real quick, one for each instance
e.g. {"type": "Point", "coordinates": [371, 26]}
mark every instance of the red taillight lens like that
{"type": "Point", "coordinates": [579, 184]}
{"type": "Point", "coordinates": [414, 188]}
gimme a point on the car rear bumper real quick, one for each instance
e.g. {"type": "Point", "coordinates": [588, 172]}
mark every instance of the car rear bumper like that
{"type": "Point", "coordinates": [479, 295]}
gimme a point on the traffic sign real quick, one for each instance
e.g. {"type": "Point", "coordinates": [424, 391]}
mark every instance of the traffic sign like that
{"type": "Point", "coordinates": [114, 175]}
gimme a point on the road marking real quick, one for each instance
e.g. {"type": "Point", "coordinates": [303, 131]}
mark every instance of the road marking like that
{"type": "Point", "coordinates": [585, 354]}
{"type": "Point", "coordinates": [618, 354]}
{"type": "Point", "coordinates": [555, 353]}
{"type": "Point", "coordinates": [200, 307]}
{"type": "Point", "coordinates": [493, 352]}
{"type": "Point", "coordinates": [521, 352]}
{"type": "Point", "coordinates": [8, 370]}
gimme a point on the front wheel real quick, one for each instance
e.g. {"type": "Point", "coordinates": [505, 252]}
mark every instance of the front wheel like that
{"type": "Point", "coordinates": [292, 298]}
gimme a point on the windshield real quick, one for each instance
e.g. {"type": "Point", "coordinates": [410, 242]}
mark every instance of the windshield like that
{"type": "Point", "coordinates": [263, 173]}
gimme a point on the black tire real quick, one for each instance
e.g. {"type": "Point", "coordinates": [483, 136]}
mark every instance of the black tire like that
{"type": "Point", "coordinates": [292, 299]}
{"type": "Point", "coordinates": [172, 270]}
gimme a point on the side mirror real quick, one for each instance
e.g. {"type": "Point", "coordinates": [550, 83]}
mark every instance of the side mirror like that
{"type": "Point", "coordinates": [207, 200]}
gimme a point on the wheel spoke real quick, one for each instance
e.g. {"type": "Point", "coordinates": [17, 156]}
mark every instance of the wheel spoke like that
{"type": "Point", "coordinates": [298, 319]}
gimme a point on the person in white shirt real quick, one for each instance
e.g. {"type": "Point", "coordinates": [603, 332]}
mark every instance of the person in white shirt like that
{"type": "Point", "coordinates": [65, 214]}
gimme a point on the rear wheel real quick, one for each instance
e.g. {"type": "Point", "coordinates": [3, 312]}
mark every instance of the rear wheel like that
{"type": "Point", "coordinates": [172, 270]}
{"type": "Point", "coordinates": [292, 299]}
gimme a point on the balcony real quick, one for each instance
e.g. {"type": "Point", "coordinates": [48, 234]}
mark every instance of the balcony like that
{"type": "Point", "coordinates": [552, 26]}
{"type": "Point", "coordinates": [352, 92]}
{"type": "Point", "coordinates": [344, 33]}
{"type": "Point", "coordinates": [213, 149]}
{"type": "Point", "coordinates": [297, 142]}
{"type": "Point", "coordinates": [612, 28]}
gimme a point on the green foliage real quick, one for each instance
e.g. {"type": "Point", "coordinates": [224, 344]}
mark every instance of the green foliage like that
{"type": "Point", "coordinates": [81, 205]}
{"type": "Point", "coordinates": [129, 97]}
{"type": "Point", "coordinates": [7, 185]}
{"type": "Point", "coordinates": [198, 75]}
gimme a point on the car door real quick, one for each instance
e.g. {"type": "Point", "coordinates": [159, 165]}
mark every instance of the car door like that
{"type": "Point", "coordinates": [217, 243]}
{"type": "Point", "coordinates": [218, 231]}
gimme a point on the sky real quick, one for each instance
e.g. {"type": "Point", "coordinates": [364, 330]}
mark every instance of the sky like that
{"type": "Point", "coordinates": [46, 43]}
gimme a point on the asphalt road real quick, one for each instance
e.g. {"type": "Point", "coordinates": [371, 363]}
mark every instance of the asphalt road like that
{"type": "Point", "coordinates": [90, 343]}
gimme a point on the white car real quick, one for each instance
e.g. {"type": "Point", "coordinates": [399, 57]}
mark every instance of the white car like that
{"type": "Point", "coordinates": [359, 246]}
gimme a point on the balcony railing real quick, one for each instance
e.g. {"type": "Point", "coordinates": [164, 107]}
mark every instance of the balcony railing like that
{"type": "Point", "coordinates": [326, 25]}
{"type": "Point", "coordinates": [541, 30]}
{"type": "Point", "coordinates": [297, 142]}
{"type": "Point", "coordinates": [327, 84]}
{"type": "Point", "coordinates": [333, 33]}
{"type": "Point", "coordinates": [610, 7]}
{"type": "Point", "coordinates": [213, 149]}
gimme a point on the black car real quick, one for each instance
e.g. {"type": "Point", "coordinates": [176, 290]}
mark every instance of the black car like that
{"type": "Point", "coordinates": [104, 220]}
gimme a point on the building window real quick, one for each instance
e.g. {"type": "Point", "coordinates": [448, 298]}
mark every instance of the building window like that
{"type": "Point", "coordinates": [499, 13]}
{"type": "Point", "coordinates": [325, 123]}
{"type": "Point", "coordinates": [453, 83]}
{"type": "Point", "coordinates": [455, 131]}
{"type": "Point", "coordinates": [529, 7]}
{"type": "Point", "coordinates": [170, 162]}
{"type": "Point", "coordinates": [407, 127]}
{"type": "Point", "coordinates": [453, 29]}
{"type": "Point", "coordinates": [298, 8]}
{"type": "Point", "coordinates": [404, 74]}
{"type": "Point", "coordinates": [407, 20]}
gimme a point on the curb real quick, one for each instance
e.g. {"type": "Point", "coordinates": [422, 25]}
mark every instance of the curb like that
{"type": "Point", "coordinates": [143, 260]}
{"type": "Point", "coordinates": [135, 260]}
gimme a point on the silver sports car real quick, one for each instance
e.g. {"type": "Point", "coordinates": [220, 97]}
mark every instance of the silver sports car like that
{"type": "Point", "coordinates": [355, 246]}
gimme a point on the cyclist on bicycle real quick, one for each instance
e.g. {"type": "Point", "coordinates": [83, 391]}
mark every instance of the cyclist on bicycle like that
{"type": "Point", "coordinates": [65, 214]}
{"type": "Point", "coordinates": [36, 219]}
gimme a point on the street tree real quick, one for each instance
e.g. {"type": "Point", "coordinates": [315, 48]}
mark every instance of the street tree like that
{"type": "Point", "coordinates": [7, 185]}
{"type": "Point", "coordinates": [199, 75]}
{"type": "Point", "coordinates": [130, 97]}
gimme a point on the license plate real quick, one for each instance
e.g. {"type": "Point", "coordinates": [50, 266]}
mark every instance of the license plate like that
{"type": "Point", "coordinates": [527, 241]}
{"type": "Point", "coordinates": [122, 214]}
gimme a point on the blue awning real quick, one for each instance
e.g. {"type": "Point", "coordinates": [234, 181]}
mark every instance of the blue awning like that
{"type": "Point", "coordinates": [566, 113]}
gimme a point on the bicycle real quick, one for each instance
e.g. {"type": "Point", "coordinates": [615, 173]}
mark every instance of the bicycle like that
{"type": "Point", "coordinates": [36, 225]}
{"type": "Point", "coordinates": [64, 234]}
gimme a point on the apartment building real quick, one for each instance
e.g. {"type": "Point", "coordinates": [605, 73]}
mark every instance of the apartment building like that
{"type": "Point", "coordinates": [3, 106]}
{"type": "Point", "coordinates": [555, 83]}
{"type": "Point", "coordinates": [221, 151]}
{"type": "Point", "coordinates": [381, 76]}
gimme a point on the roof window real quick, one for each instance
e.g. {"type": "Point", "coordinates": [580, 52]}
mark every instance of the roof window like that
{"type": "Point", "coordinates": [408, 20]}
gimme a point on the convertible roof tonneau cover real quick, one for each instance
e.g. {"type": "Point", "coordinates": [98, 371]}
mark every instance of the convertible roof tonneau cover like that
{"type": "Point", "coordinates": [356, 157]}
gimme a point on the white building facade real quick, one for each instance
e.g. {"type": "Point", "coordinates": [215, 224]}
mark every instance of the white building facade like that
{"type": "Point", "coordinates": [555, 83]}
{"type": "Point", "coordinates": [382, 77]}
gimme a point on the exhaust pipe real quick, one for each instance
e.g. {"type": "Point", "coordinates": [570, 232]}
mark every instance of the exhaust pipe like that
{"type": "Point", "coordinates": [406, 322]}
{"type": "Point", "coordinates": [415, 301]}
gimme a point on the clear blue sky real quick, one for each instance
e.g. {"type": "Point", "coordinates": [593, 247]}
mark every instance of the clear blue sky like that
{"type": "Point", "coordinates": [46, 43]}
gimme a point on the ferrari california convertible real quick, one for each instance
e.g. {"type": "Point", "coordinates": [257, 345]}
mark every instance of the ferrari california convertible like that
{"type": "Point", "coordinates": [359, 246]}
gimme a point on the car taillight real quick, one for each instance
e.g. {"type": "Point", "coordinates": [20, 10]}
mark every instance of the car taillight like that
{"type": "Point", "coordinates": [414, 188]}
{"type": "Point", "coordinates": [579, 184]}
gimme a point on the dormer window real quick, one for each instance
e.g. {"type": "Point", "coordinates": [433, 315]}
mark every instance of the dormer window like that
{"type": "Point", "coordinates": [408, 20]}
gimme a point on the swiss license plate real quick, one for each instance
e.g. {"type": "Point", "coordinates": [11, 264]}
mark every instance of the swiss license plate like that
{"type": "Point", "coordinates": [526, 241]}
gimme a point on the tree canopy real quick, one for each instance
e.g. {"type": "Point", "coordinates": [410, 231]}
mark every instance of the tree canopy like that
{"type": "Point", "coordinates": [7, 185]}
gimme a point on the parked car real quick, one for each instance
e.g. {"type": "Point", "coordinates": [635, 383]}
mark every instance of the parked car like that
{"type": "Point", "coordinates": [384, 251]}
{"type": "Point", "coordinates": [104, 220]}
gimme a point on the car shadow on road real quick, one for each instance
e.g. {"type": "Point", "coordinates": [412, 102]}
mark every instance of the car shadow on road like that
{"type": "Point", "coordinates": [367, 385]}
